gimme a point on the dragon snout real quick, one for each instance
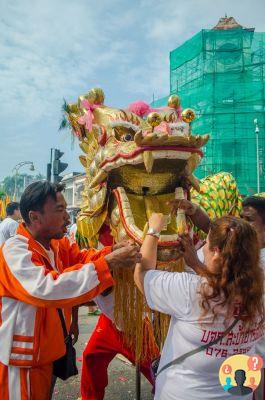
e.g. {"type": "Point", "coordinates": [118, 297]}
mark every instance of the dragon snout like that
{"type": "Point", "coordinates": [151, 138]}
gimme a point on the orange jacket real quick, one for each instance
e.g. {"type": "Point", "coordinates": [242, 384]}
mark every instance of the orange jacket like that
{"type": "Point", "coordinates": [31, 290]}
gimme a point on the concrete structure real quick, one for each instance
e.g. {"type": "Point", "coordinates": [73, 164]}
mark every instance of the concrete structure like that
{"type": "Point", "coordinates": [74, 186]}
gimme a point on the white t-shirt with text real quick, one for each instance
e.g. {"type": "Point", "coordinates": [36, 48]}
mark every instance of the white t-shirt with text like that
{"type": "Point", "coordinates": [196, 378]}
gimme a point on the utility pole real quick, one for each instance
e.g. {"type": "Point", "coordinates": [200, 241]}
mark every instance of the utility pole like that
{"type": "Point", "coordinates": [257, 153]}
{"type": "Point", "coordinates": [49, 169]}
{"type": "Point", "coordinates": [15, 171]}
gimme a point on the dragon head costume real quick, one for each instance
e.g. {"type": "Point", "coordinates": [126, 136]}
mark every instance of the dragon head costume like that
{"type": "Point", "coordinates": [134, 160]}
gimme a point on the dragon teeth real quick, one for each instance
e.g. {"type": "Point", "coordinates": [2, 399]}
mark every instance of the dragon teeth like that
{"type": "Point", "coordinates": [148, 161]}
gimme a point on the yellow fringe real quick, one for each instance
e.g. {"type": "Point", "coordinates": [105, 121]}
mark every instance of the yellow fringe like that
{"type": "Point", "coordinates": [144, 330]}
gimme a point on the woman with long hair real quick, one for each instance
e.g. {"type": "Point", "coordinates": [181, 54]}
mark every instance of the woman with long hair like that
{"type": "Point", "coordinates": [227, 287]}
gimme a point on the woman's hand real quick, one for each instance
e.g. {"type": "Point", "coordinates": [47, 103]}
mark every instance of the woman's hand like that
{"type": "Point", "coordinates": [186, 205]}
{"type": "Point", "coordinates": [157, 221]}
{"type": "Point", "coordinates": [197, 215]}
{"type": "Point", "coordinates": [189, 253]}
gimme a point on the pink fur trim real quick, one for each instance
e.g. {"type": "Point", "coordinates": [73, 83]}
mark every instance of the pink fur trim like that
{"type": "Point", "coordinates": [142, 109]}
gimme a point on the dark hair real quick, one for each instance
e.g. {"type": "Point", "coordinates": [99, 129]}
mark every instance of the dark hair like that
{"type": "Point", "coordinates": [11, 207]}
{"type": "Point", "coordinates": [256, 202]}
{"type": "Point", "coordinates": [239, 273]}
{"type": "Point", "coordinates": [35, 196]}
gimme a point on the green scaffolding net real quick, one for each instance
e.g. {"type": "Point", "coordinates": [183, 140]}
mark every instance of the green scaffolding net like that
{"type": "Point", "coordinates": [220, 74]}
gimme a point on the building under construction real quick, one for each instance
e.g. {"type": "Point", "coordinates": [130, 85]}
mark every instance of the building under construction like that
{"type": "Point", "coordinates": [220, 74]}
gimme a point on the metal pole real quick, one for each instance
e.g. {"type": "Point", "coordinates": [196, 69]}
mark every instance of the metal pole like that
{"type": "Point", "coordinates": [257, 154]}
{"type": "Point", "coordinates": [258, 176]}
{"type": "Point", "coordinates": [15, 188]}
{"type": "Point", "coordinates": [138, 381]}
{"type": "Point", "coordinates": [15, 170]}
{"type": "Point", "coordinates": [52, 176]}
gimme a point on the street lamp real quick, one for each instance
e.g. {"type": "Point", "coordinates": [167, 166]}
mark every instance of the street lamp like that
{"type": "Point", "coordinates": [257, 153]}
{"type": "Point", "coordinates": [15, 171]}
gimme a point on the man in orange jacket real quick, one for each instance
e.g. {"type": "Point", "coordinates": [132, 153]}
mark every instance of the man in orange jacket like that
{"type": "Point", "coordinates": [41, 271]}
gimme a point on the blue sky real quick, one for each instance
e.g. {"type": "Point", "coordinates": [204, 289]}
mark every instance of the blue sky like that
{"type": "Point", "coordinates": [55, 49]}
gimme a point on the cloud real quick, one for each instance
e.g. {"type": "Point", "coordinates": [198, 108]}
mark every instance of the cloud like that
{"type": "Point", "coordinates": [49, 51]}
{"type": "Point", "coordinates": [61, 48]}
{"type": "Point", "coordinates": [169, 24]}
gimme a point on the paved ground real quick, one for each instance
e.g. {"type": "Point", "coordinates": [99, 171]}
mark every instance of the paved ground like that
{"type": "Point", "coordinates": [121, 375]}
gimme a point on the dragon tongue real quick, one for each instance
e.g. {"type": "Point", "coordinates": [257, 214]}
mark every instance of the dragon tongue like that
{"type": "Point", "coordinates": [148, 161]}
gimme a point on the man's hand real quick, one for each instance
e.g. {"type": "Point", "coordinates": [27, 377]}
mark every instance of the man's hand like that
{"type": "Point", "coordinates": [186, 205]}
{"type": "Point", "coordinates": [117, 246]}
{"type": "Point", "coordinates": [124, 256]}
{"type": "Point", "coordinates": [190, 254]}
{"type": "Point", "coordinates": [74, 331]}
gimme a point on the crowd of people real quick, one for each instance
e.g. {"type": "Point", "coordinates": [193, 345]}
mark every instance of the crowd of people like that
{"type": "Point", "coordinates": [41, 270]}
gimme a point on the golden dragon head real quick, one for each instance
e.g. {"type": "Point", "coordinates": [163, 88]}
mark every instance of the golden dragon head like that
{"type": "Point", "coordinates": [134, 160]}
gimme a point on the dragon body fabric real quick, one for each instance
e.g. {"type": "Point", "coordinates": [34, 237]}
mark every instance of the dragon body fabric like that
{"type": "Point", "coordinates": [134, 160]}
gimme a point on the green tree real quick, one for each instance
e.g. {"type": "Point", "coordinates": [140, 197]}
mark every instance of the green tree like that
{"type": "Point", "coordinates": [39, 177]}
{"type": "Point", "coordinates": [21, 181]}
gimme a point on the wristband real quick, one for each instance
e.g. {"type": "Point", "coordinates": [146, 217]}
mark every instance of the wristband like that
{"type": "Point", "coordinates": [153, 232]}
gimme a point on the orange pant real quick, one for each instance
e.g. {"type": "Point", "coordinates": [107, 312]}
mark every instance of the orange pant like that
{"type": "Point", "coordinates": [105, 342]}
{"type": "Point", "coordinates": [25, 383]}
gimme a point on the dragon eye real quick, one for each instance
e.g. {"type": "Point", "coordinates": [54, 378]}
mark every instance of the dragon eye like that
{"type": "Point", "coordinates": [127, 137]}
{"type": "Point", "coordinates": [124, 134]}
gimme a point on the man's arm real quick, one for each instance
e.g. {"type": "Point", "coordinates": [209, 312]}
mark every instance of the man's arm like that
{"type": "Point", "coordinates": [123, 254]}
{"type": "Point", "coordinates": [200, 219]}
{"type": "Point", "coordinates": [23, 274]}
{"type": "Point", "coordinates": [28, 280]}
{"type": "Point", "coordinates": [75, 255]}
{"type": "Point", "coordinates": [197, 215]}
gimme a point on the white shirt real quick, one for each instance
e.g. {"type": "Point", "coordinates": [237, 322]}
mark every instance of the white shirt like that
{"type": "Point", "coordinates": [50, 254]}
{"type": "Point", "coordinates": [8, 228]}
{"type": "Point", "coordinates": [51, 257]}
{"type": "Point", "coordinates": [106, 305]}
{"type": "Point", "coordinates": [260, 348]}
{"type": "Point", "coordinates": [196, 378]}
